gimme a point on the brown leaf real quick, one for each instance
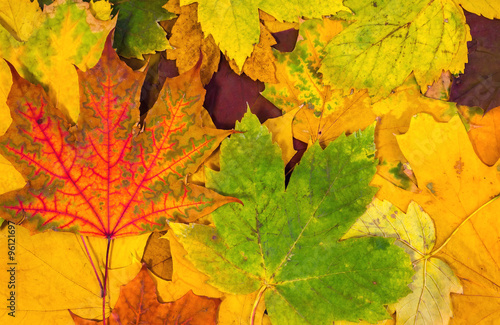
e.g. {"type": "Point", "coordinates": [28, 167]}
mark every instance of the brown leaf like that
{"type": "Point", "coordinates": [138, 304]}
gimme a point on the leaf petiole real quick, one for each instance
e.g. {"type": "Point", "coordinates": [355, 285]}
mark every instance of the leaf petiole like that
{"type": "Point", "coordinates": [256, 304]}
{"type": "Point", "coordinates": [92, 263]}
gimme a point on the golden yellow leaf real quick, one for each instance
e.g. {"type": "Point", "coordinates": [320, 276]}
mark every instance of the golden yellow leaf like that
{"type": "Point", "coordinates": [395, 113]}
{"type": "Point", "coordinates": [54, 274]}
{"type": "Point", "coordinates": [10, 178]}
{"type": "Point", "coordinates": [20, 17]}
{"type": "Point", "coordinates": [274, 25]}
{"type": "Point", "coordinates": [189, 43]}
{"type": "Point", "coordinates": [5, 84]}
{"type": "Point", "coordinates": [460, 192]}
{"type": "Point", "coordinates": [185, 276]}
{"type": "Point", "coordinates": [445, 165]}
{"type": "Point", "coordinates": [237, 310]}
{"type": "Point", "coordinates": [260, 65]}
{"type": "Point", "coordinates": [484, 132]}
{"type": "Point", "coordinates": [487, 8]}
{"type": "Point", "coordinates": [281, 132]}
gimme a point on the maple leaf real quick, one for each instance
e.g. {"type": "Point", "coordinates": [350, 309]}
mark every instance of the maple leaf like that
{"type": "Point", "coordinates": [459, 192]}
{"type": "Point", "coordinates": [98, 178]}
{"type": "Point", "coordinates": [434, 281]}
{"type": "Point", "coordinates": [394, 116]}
{"type": "Point", "coordinates": [388, 40]}
{"type": "Point", "coordinates": [137, 29]}
{"type": "Point", "coordinates": [138, 304]}
{"type": "Point", "coordinates": [325, 113]}
{"type": "Point", "coordinates": [68, 35]}
{"type": "Point", "coordinates": [285, 244]}
{"type": "Point", "coordinates": [20, 17]}
{"type": "Point", "coordinates": [235, 26]}
{"type": "Point", "coordinates": [479, 85]}
{"type": "Point", "coordinates": [53, 274]}
{"type": "Point", "coordinates": [187, 41]}
{"type": "Point", "coordinates": [484, 133]}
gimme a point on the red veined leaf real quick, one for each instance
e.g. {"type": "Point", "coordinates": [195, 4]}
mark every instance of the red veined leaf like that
{"type": "Point", "coordinates": [103, 176]}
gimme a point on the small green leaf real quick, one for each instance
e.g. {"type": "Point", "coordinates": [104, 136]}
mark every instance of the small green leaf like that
{"type": "Point", "coordinates": [287, 242]}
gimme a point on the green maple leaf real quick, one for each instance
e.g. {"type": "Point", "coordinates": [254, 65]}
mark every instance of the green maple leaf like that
{"type": "Point", "coordinates": [235, 24]}
{"type": "Point", "coordinates": [137, 29]}
{"type": "Point", "coordinates": [286, 243]}
{"type": "Point", "coordinates": [389, 39]}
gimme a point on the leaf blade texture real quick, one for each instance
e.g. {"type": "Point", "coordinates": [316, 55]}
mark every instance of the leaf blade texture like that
{"type": "Point", "coordinates": [434, 280]}
{"type": "Point", "coordinates": [465, 216]}
{"type": "Point", "coordinates": [379, 50]}
{"type": "Point", "coordinates": [297, 258]}
{"type": "Point", "coordinates": [104, 177]}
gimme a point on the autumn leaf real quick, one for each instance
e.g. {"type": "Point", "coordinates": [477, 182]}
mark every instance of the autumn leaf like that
{"type": "Point", "coordinates": [434, 281]}
{"type": "Point", "coordinates": [20, 17]}
{"type": "Point", "coordinates": [459, 192]}
{"type": "Point", "coordinates": [395, 113]}
{"type": "Point", "coordinates": [185, 276]}
{"type": "Point", "coordinates": [101, 178]}
{"type": "Point", "coordinates": [479, 85]}
{"type": "Point", "coordinates": [68, 36]}
{"type": "Point", "coordinates": [389, 39]}
{"type": "Point", "coordinates": [484, 132]}
{"type": "Point", "coordinates": [488, 8]}
{"type": "Point", "coordinates": [137, 29]}
{"type": "Point", "coordinates": [187, 41]}
{"type": "Point", "coordinates": [285, 244]}
{"type": "Point", "coordinates": [325, 113]}
{"type": "Point", "coordinates": [54, 273]}
{"type": "Point", "coordinates": [260, 65]}
{"type": "Point", "coordinates": [157, 256]}
{"type": "Point", "coordinates": [235, 26]}
{"type": "Point", "coordinates": [10, 178]}
{"type": "Point", "coordinates": [138, 304]}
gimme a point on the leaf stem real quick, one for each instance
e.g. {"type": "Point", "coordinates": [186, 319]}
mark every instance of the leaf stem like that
{"type": "Point", "coordinates": [92, 263]}
{"type": "Point", "coordinates": [256, 304]}
{"type": "Point", "coordinates": [104, 293]}
{"type": "Point", "coordinates": [462, 223]}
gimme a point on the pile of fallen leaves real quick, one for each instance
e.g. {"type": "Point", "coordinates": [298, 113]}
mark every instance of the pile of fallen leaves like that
{"type": "Point", "coordinates": [270, 162]}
